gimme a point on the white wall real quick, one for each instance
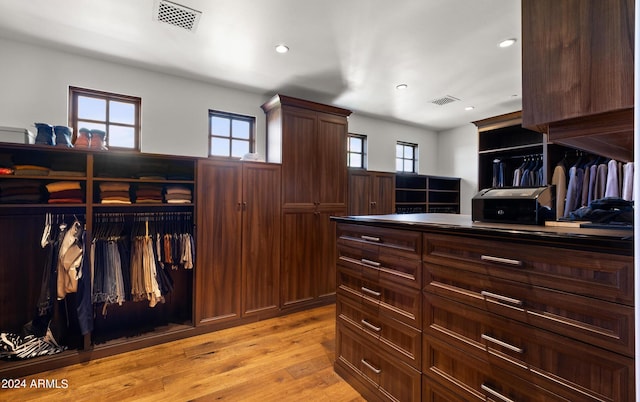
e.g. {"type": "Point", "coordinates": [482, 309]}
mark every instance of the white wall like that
{"type": "Point", "coordinates": [35, 81]}
{"type": "Point", "coordinates": [458, 157]}
{"type": "Point", "coordinates": [382, 137]}
{"type": "Point", "coordinates": [34, 85]}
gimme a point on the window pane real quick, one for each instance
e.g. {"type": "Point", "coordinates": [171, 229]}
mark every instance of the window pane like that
{"type": "Point", "coordinates": [220, 126]}
{"type": "Point", "coordinates": [408, 152]}
{"type": "Point", "coordinates": [355, 144]}
{"type": "Point", "coordinates": [91, 126]}
{"type": "Point", "coordinates": [241, 129]}
{"type": "Point", "coordinates": [121, 137]}
{"type": "Point", "coordinates": [408, 165]}
{"type": "Point", "coordinates": [121, 112]}
{"type": "Point", "coordinates": [92, 108]}
{"type": "Point", "coordinates": [399, 165]}
{"type": "Point", "coordinates": [399, 151]}
{"type": "Point", "coordinates": [219, 147]}
{"type": "Point", "coordinates": [239, 148]}
{"type": "Point", "coordinates": [355, 160]}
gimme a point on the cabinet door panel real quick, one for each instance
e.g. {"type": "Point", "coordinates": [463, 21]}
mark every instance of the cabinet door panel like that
{"type": "Point", "coordinates": [219, 242]}
{"type": "Point", "coordinates": [261, 231]}
{"type": "Point", "coordinates": [359, 190]}
{"type": "Point", "coordinates": [383, 193]}
{"type": "Point", "coordinates": [298, 151]}
{"type": "Point", "coordinates": [577, 58]}
{"type": "Point", "coordinates": [298, 250]}
{"type": "Point", "coordinates": [331, 160]}
{"type": "Point", "coordinates": [325, 254]}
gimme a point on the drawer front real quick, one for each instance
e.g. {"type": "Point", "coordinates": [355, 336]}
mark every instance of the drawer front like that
{"type": "Point", "coordinates": [371, 262]}
{"type": "Point", "coordinates": [603, 276]}
{"type": "Point", "coordinates": [593, 321]}
{"type": "Point", "coordinates": [395, 301]}
{"type": "Point", "coordinates": [394, 380]}
{"type": "Point", "coordinates": [453, 375]}
{"type": "Point", "coordinates": [553, 362]}
{"type": "Point", "coordinates": [403, 243]}
{"type": "Point", "coordinates": [398, 339]}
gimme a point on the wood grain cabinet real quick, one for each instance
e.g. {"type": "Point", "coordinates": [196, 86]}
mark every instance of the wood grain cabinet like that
{"type": "Point", "coordinates": [378, 309]}
{"type": "Point", "coordinates": [577, 73]}
{"type": "Point", "coordinates": [239, 228]}
{"type": "Point", "coordinates": [309, 140]}
{"type": "Point", "coordinates": [371, 193]}
{"type": "Point", "coordinates": [477, 314]}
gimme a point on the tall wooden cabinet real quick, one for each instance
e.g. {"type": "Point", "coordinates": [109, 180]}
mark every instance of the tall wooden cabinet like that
{"type": "Point", "coordinates": [371, 193]}
{"type": "Point", "coordinates": [309, 140]}
{"type": "Point", "coordinates": [239, 220]}
{"type": "Point", "coordinates": [577, 73]}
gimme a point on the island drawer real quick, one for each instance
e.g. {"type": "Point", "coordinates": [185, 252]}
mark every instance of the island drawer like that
{"type": "Point", "coordinates": [599, 275]}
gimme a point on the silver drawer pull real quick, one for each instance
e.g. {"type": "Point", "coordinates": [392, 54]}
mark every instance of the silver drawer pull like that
{"type": "Point", "coordinates": [370, 325]}
{"type": "Point", "coordinates": [499, 342]}
{"type": "Point", "coordinates": [369, 262]}
{"type": "Point", "coordinates": [370, 367]}
{"type": "Point", "coordinates": [502, 298]}
{"type": "Point", "coordinates": [370, 238]}
{"type": "Point", "coordinates": [496, 394]}
{"type": "Point", "coordinates": [501, 260]}
{"type": "Point", "coordinates": [371, 292]}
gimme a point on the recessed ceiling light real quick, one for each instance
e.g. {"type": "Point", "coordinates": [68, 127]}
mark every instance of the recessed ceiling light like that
{"type": "Point", "coordinates": [507, 42]}
{"type": "Point", "coordinates": [282, 49]}
{"type": "Point", "coordinates": [401, 87]}
{"type": "Point", "coordinates": [469, 108]}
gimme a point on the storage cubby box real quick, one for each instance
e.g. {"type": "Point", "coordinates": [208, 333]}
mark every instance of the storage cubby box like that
{"type": "Point", "coordinates": [421, 194]}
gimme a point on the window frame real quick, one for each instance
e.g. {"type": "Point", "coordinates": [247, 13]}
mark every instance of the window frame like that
{"type": "Point", "coordinates": [363, 154]}
{"type": "Point", "coordinates": [231, 117]}
{"type": "Point", "coordinates": [414, 159]}
{"type": "Point", "coordinates": [75, 92]}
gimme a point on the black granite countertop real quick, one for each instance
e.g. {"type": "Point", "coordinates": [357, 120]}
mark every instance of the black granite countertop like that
{"type": "Point", "coordinates": [618, 240]}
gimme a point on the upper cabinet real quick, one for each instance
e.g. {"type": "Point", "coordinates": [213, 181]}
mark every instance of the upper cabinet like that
{"type": "Point", "coordinates": [577, 73]}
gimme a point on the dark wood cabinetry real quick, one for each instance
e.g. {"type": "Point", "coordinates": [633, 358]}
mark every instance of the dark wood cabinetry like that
{"type": "Point", "coordinates": [133, 324]}
{"type": "Point", "coordinates": [506, 313]}
{"type": "Point", "coordinates": [378, 311]}
{"type": "Point", "coordinates": [371, 193]}
{"type": "Point", "coordinates": [309, 140]}
{"type": "Point", "coordinates": [420, 193]}
{"type": "Point", "coordinates": [503, 139]}
{"type": "Point", "coordinates": [239, 229]}
{"type": "Point", "coordinates": [577, 64]}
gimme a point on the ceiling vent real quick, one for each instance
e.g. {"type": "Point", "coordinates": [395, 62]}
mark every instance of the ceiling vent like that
{"type": "Point", "coordinates": [444, 100]}
{"type": "Point", "coordinates": [177, 15]}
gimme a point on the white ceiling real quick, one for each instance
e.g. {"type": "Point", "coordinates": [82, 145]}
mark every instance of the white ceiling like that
{"type": "Point", "coordinates": [349, 53]}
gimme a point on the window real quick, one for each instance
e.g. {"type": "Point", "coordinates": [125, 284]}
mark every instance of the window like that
{"type": "Point", "coordinates": [230, 135]}
{"type": "Point", "coordinates": [117, 115]}
{"type": "Point", "coordinates": [357, 151]}
{"type": "Point", "coordinates": [406, 157]}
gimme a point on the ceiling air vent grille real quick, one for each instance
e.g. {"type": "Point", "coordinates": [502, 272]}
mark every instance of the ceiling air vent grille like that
{"type": "Point", "coordinates": [444, 100]}
{"type": "Point", "coordinates": [177, 15]}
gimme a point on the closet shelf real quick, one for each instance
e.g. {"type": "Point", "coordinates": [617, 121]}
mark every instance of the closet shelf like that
{"type": "Point", "coordinates": [508, 149]}
{"type": "Point", "coordinates": [134, 180]}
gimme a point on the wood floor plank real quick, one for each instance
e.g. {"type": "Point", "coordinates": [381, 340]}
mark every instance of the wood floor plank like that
{"type": "Point", "coordinates": [281, 359]}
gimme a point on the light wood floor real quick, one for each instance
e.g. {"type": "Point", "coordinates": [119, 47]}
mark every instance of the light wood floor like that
{"type": "Point", "coordinates": [282, 359]}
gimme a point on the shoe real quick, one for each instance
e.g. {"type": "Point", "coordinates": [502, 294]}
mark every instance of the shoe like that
{"type": "Point", "coordinates": [45, 134]}
{"type": "Point", "coordinates": [63, 136]}
{"type": "Point", "coordinates": [98, 139]}
{"type": "Point", "coordinates": [83, 140]}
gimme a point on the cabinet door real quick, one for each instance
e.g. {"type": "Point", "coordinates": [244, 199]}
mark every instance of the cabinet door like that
{"type": "Point", "coordinates": [261, 231]}
{"type": "Point", "coordinates": [383, 193]}
{"type": "Point", "coordinates": [325, 254]}
{"type": "Point", "coordinates": [298, 256]}
{"type": "Point", "coordinates": [331, 160]}
{"type": "Point", "coordinates": [219, 216]}
{"type": "Point", "coordinates": [577, 58]}
{"type": "Point", "coordinates": [359, 191]}
{"type": "Point", "coordinates": [298, 150]}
